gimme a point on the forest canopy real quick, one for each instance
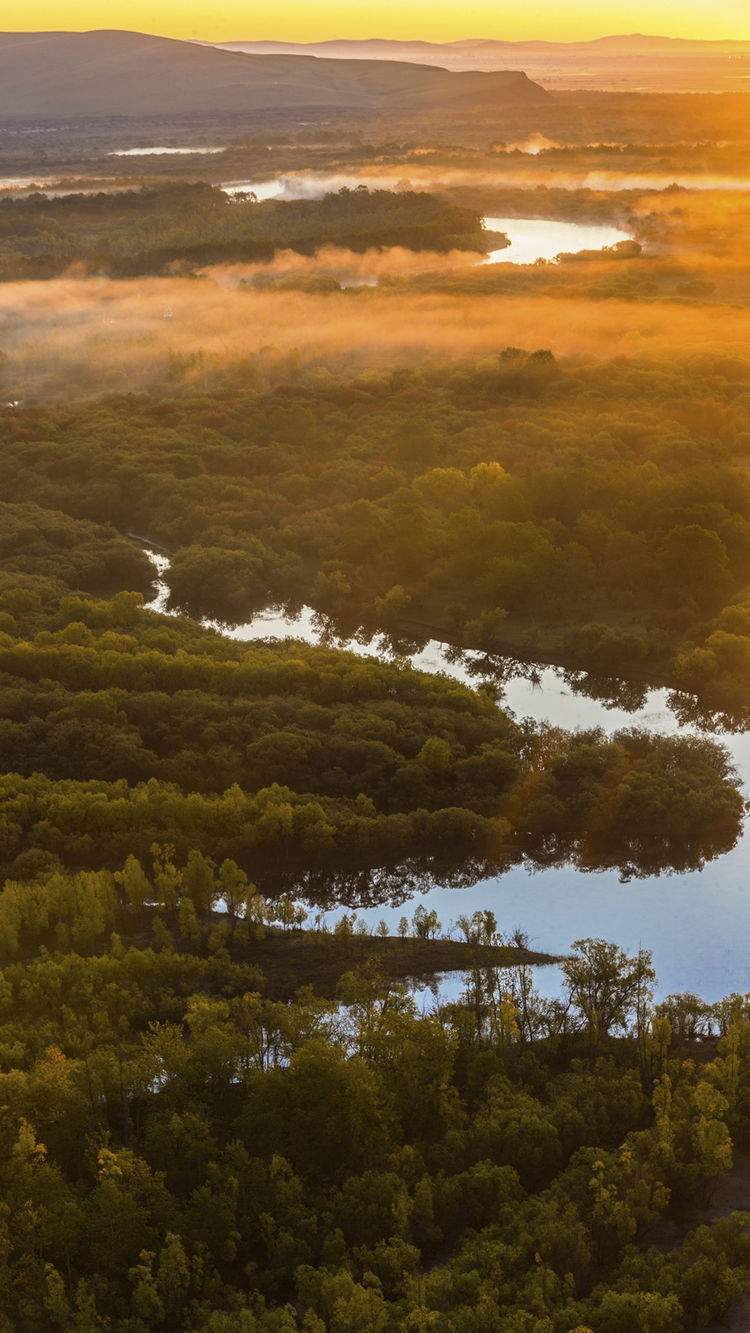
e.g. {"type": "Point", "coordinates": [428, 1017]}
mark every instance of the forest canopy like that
{"type": "Point", "coordinates": [285, 756]}
{"type": "Point", "coordinates": [597, 512]}
{"type": "Point", "coordinates": [180, 1147]}
{"type": "Point", "coordinates": [232, 1099]}
{"type": "Point", "coordinates": [165, 228]}
{"type": "Point", "coordinates": [180, 1151]}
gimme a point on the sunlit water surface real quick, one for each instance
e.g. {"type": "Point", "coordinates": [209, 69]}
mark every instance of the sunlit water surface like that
{"type": "Point", "coordinates": [165, 152]}
{"type": "Point", "coordinates": [531, 239]}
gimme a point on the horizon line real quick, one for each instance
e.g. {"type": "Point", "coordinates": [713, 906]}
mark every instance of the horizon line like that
{"type": "Point", "coordinates": [506, 41]}
{"type": "Point", "coordinates": [403, 41]}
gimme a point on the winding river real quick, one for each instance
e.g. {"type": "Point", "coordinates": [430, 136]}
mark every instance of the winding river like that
{"type": "Point", "coordinates": [697, 925]}
{"type": "Point", "coordinates": [531, 239]}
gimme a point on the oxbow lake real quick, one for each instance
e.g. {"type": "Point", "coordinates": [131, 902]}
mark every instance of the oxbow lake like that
{"type": "Point", "coordinates": [697, 925]}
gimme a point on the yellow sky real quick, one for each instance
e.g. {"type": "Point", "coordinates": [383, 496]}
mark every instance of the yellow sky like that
{"type": "Point", "coordinates": [435, 20]}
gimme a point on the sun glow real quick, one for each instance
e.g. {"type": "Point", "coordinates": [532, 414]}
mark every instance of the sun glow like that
{"type": "Point", "coordinates": [434, 20]}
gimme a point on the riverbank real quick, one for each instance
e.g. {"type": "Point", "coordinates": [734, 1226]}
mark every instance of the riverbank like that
{"type": "Point", "coordinates": [547, 643]}
{"type": "Point", "coordinates": [529, 642]}
{"type": "Point", "coordinates": [311, 958]}
{"type": "Point", "coordinates": [291, 959]}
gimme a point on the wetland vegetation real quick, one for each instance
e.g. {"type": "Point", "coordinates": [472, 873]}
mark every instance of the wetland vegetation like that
{"type": "Point", "coordinates": [236, 1094]}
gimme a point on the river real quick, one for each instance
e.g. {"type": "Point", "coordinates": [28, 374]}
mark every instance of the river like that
{"type": "Point", "coordinates": [697, 925]}
{"type": "Point", "coordinates": [165, 152]}
{"type": "Point", "coordinates": [531, 239]}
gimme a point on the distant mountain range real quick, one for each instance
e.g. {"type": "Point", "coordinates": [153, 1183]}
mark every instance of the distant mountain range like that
{"type": "Point", "coordinates": [363, 49]}
{"type": "Point", "coordinates": [69, 74]}
{"type": "Point", "coordinates": [631, 62]}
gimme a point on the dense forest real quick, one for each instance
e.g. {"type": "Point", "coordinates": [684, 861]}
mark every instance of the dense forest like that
{"type": "Point", "coordinates": [596, 511]}
{"type": "Point", "coordinates": [180, 1152]}
{"type": "Point", "coordinates": [181, 227]}
{"type": "Point", "coordinates": [284, 755]}
{"type": "Point", "coordinates": [195, 1138]}
{"type": "Point", "coordinates": [232, 1100]}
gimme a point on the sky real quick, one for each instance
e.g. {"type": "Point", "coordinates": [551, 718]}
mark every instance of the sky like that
{"type": "Point", "coordinates": [433, 20]}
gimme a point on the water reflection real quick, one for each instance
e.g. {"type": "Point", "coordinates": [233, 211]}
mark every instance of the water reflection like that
{"type": "Point", "coordinates": [379, 887]}
{"type": "Point", "coordinates": [695, 921]}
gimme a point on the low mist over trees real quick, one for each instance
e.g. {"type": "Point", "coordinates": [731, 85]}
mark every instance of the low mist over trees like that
{"type": "Point", "coordinates": [169, 228]}
{"type": "Point", "coordinates": [272, 1055]}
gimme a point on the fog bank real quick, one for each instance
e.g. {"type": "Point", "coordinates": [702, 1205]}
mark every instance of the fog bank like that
{"type": "Point", "coordinates": [75, 336]}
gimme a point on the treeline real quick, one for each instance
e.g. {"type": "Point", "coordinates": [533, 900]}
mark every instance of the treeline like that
{"type": "Point", "coordinates": [180, 1152]}
{"type": "Point", "coordinates": [120, 730]}
{"type": "Point", "coordinates": [153, 229]}
{"type": "Point", "coordinates": [196, 905]}
{"type": "Point", "coordinates": [600, 513]}
{"type": "Point", "coordinates": [616, 274]}
{"type": "Point", "coordinates": [718, 669]}
{"type": "Point", "coordinates": [42, 549]}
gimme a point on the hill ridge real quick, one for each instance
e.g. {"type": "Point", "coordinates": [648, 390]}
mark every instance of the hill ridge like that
{"type": "Point", "coordinates": [120, 72]}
